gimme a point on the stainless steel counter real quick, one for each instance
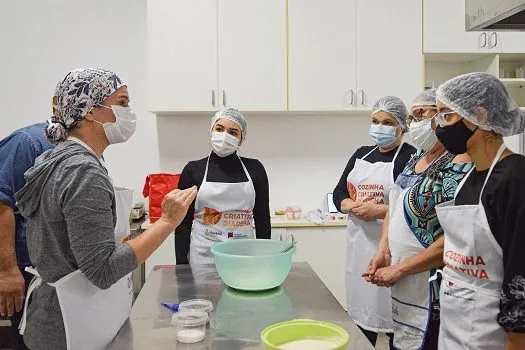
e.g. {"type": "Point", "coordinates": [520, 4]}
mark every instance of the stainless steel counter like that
{"type": "Point", "coordinates": [238, 317]}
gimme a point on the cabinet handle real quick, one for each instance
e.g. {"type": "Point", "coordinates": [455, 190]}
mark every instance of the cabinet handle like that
{"type": "Point", "coordinates": [213, 98]}
{"type": "Point", "coordinates": [484, 35]}
{"type": "Point", "coordinates": [495, 42]}
{"type": "Point", "coordinates": [351, 97]}
{"type": "Point", "coordinates": [362, 97]}
{"type": "Point", "coordinates": [224, 98]}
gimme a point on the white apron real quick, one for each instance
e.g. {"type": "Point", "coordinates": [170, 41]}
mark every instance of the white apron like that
{"type": "Point", "coordinates": [369, 306]}
{"type": "Point", "coordinates": [472, 278]}
{"type": "Point", "coordinates": [412, 295]}
{"type": "Point", "coordinates": [224, 211]}
{"type": "Point", "coordinates": [92, 316]}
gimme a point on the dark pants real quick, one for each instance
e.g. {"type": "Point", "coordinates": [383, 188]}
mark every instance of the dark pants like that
{"type": "Point", "coordinates": [372, 337]}
{"type": "Point", "coordinates": [431, 341]}
{"type": "Point", "coordinates": [17, 339]}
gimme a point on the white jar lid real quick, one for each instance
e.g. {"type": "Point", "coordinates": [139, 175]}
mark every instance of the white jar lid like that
{"type": "Point", "coordinates": [191, 318]}
{"type": "Point", "coordinates": [196, 304]}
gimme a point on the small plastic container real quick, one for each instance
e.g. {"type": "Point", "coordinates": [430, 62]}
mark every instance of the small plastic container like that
{"type": "Point", "coordinates": [197, 305]}
{"type": "Point", "coordinates": [294, 213]}
{"type": "Point", "coordinates": [190, 326]}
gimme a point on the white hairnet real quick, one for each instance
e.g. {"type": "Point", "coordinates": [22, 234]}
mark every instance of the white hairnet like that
{"type": "Point", "coordinates": [483, 100]}
{"type": "Point", "coordinates": [395, 106]}
{"type": "Point", "coordinates": [425, 98]}
{"type": "Point", "coordinates": [233, 115]}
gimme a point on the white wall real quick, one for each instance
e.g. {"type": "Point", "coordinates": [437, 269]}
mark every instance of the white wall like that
{"type": "Point", "coordinates": [304, 155]}
{"type": "Point", "coordinates": [42, 40]}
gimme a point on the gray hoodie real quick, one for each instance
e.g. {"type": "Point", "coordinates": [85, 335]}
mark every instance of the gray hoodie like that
{"type": "Point", "coordinates": [70, 209]}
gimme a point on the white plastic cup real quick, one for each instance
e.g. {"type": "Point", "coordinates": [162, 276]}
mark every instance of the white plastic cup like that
{"type": "Point", "coordinates": [190, 326]}
{"type": "Point", "coordinates": [197, 305]}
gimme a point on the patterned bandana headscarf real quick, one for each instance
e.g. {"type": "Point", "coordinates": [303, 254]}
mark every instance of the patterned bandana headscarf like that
{"type": "Point", "coordinates": [80, 91]}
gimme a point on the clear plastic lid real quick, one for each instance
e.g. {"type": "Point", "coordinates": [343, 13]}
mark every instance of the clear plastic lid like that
{"type": "Point", "coordinates": [196, 304]}
{"type": "Point", "coordinates": [191, 318]}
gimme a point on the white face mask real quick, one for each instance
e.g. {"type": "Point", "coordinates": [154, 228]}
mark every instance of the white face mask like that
{"type": "Point", "coordinates": [123, 128]}
{"type": "Point", "coordinates": [224, 144]}
{"type": "Point", "coordinates": [421, 135]}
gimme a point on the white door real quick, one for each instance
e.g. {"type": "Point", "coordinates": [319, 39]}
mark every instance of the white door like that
{"type": "Point", "coordinates": [445, 29]}
{"type": "Point", "coordinates": [322, 57]}
{"type": "Point", "coordinates": [389, 52]}
{"type": "Point", "coordinates": [252, 54]}
{"type": "Point", "coordinates": [182, 55]}
{"type": "Point", "coordinates": [506, 42]}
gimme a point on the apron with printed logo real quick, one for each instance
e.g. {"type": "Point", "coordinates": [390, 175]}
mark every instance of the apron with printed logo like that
{"type": "Point", "coordinates": [369, 306]}
{"type": "Point", "coordinates": [223, 211]}
{"type": "Point", "coordinates": [92, 316]}
{"type": "Point", "coordinates": [472, 278]}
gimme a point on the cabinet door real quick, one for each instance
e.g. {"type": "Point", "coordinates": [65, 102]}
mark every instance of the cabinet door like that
{"type": "Point", "coordinates": [389, 52]}
{"type": "Point", "coordinates": [252, 54]}
{"type": "Point", "coordinates": [324, 249]}
{"type": "Point", "coordinates": [506, 42]}
{"type": "Point", "coordinates": [322, 58]}
{"type": "Point", "coordinates": [445, 29]}
{"type": "Point", "coordinates": [182, 55]}
{"type": "Point", "coordinates": [164, 255]}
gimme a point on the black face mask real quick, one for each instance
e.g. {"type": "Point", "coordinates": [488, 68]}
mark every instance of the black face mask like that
{"type": "Point", "coordinates": [454, 137]}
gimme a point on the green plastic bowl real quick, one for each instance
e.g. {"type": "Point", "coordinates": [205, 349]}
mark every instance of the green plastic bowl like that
{"type": "Point", "coordinates": [252, 264]}
{"type": "Point", "coordinates": [282, 333]}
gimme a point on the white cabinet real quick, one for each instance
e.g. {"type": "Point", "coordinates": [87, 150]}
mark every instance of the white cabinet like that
{"type": "Point", "coordinates": [389, 52]}
{"type": "Point", "coordinates": [182, 55]}
{"type": "Point", "coordinates": [205, 55]}
{"type": "Point", "coordinates": [252, 54]}
{"type": "Point", "coordinates": [164, 255]}
{"type": "Point", "coordinates": [345, 54]}
{"type": "Point", "coordinates": [506, 42]}
{"type": "Point", "coordinates": [324, 249]}
{"type": "Point", "coordinates": [322, 57]}
{"type": "Point", "coordinates": [445, 32]}
{"type": "Point", "coordinates": [445, 29]}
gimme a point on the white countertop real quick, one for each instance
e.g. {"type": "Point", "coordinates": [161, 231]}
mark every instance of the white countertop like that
{"type": "Point", "coordinates": [283, 222]}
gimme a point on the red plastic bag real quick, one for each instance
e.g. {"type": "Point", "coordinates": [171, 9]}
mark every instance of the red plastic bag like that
{"type": "Point", "coordinates": [157, 186]}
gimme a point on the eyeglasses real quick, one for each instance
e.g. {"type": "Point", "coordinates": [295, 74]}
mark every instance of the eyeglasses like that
{"type": "Point", "coordinates": [420, 114]}
{"type": "Point", "coordinates": [442, 118]}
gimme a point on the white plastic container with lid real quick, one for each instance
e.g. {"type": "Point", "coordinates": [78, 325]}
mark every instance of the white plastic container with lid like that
{"type": "Point", "coordinates": [190, 325]}
{"type": "Point", "coordinates": [197, 305]}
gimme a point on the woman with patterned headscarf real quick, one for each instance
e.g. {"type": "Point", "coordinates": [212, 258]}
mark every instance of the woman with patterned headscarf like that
{"type": "Point", "coordinates": [233, 193]}
{"type": "Point", "coordinates": [81, 295]}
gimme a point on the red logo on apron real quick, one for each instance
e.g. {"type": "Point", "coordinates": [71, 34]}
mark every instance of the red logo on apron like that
{"type": "Point", "coordinates": [211, 216]}
{"type": "Point", "coordinates": [352, 192]}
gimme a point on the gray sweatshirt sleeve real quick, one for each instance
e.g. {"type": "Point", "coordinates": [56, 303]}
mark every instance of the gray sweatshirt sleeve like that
{"type": "Point", "coordinates": [87, 198]}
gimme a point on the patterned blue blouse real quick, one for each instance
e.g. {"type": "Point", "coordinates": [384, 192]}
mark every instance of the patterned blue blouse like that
{"type": "Point", "coordinates": [434, 186]}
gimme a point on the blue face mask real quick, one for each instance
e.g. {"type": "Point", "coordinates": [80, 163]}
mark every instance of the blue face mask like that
{"type": "Point", "coordinates": [383, 135]}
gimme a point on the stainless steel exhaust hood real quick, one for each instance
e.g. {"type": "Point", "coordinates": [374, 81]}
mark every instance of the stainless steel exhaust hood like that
{"type": "Point", "coordinates": [494, 15]}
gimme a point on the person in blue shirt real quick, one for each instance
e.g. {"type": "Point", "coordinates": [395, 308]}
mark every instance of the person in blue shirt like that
{"type": "Point", "coordinates": [18, 152]}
